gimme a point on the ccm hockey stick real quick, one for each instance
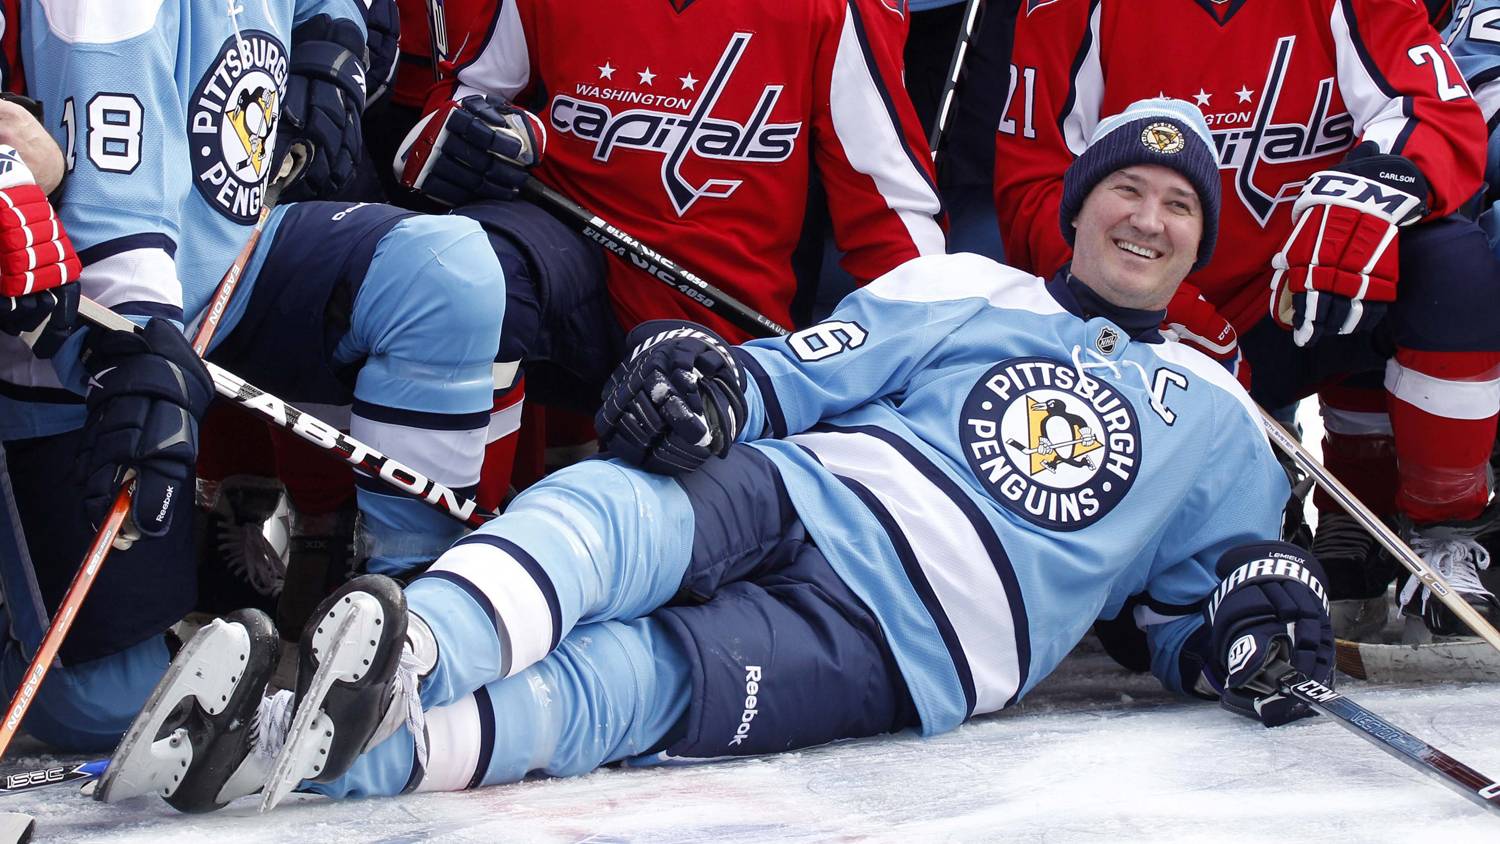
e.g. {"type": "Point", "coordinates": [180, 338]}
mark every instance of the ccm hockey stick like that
{"type": "Point", "coordinates": [109, 535]}
{"type": "Point", "coordinates": [1378, 529]}
{"type": "Point", "coordinates": [653, 262]}
{"type": "Point", "coordinates": [396, 475]}
{"type": "Point", "coordinates": [972, 13]}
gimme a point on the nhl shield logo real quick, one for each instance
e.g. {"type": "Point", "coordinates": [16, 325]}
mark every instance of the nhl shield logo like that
{"type": "Point", "coordinates": [232, 123]}
{"type": "Point", "coordinates": [1107, 340]}
{"type": "Point", "coordinates": [1056, 448]}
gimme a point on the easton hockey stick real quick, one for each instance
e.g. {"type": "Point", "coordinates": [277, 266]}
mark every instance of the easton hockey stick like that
{"type": "Point", "coordinates": [653, 262]}
{"type": "Point", "coordinates": [398, 476]}
{"type": "Point", "coordinates": [110, 531]}
{"type": "Point", "coordinates": [972, 13]}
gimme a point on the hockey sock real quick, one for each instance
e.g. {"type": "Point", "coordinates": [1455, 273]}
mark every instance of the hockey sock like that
{"type": "Point", "coordinates": [500, 444]}
{"type": "Point", "coordinates": [1443, 407]}
{"type": "Point", "coordinates": [1358, 448]}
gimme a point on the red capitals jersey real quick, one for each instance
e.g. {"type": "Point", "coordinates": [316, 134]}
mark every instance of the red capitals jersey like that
{"type": "Point", "coordinates": [1288, 88]}
{"type": "Point", "coordinates": [693, 125]}
{"type": "Point", "coordinates": [11, 79]}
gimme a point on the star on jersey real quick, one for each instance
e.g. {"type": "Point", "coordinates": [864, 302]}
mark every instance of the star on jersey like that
{"type": "Point", "coordinates": [688, 82]}
{"type": "Point", "coordinates": [647, 77]}
{"type": "Point", "coordinates": [606, 72]}
{"type": "Point", "coordinates": [1202, 97]}
{"type": "Point", "coordinates": [1244, 94]}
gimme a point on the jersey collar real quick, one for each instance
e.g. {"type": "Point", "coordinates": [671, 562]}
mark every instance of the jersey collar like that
{"type": "Point", "coordinates": [1081, 301]}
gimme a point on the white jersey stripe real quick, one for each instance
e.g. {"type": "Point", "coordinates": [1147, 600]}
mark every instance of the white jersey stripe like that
{"type": "Point", "coordinates": [1088, 94]}
{"type": "Point", "coordinates": [504, 65]}
{"type": "Point", "coordinates": [449, 457]}
{"type": "Point", "coordinates": [453, 746]}
{"type": "Point", "coordinates": [517, 601]}
{"type": "Point", "coordinates": [875, 147]}
{"type": "Point", "coordinates": [1378, 117]}
{"type": "Point", "coordinates": [949, 550]}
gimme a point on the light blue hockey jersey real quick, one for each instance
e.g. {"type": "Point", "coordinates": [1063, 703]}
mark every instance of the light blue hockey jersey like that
{"type": "Point", "coordinates": [166, 112]}
{"type": "Point", "coordinates": [991, 473]}
{"type": "Point", "coordinates": [1473, 38]}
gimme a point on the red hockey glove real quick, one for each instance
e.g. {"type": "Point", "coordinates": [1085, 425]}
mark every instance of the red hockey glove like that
{"type": "Point", "coordinates": [1193, 320]}
{"type": "Point", "coordinates": [479, 147]}
{"type": "Point", "coordinates": [1338, 269]}
{"type": "Point", "coordinates": [38, 267]}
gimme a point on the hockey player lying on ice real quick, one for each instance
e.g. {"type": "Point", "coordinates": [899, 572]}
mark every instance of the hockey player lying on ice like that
{"type": "Point", "coordinates": [899, 518]}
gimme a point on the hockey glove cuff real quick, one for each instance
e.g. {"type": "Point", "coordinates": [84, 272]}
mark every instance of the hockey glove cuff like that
{"type": "Point", "coordinates": [479, 147]}
{"type": "Point", "coordinates": [678, 400]}
{"type": "Point", "coordinates": [1194, 321]}
{"type": "Point", "coordinates": [325, 96]}
{"type": "Point", "coordinates": [145, 397]}
{"type": "Point", "coordinates": [382, 47]}
{"type": "Point", "coordinates": [1271, 606]}
{"type": "Point", "coordinates": [1338, 270]}
{"type": "Point", "coordinates": [38, 267]}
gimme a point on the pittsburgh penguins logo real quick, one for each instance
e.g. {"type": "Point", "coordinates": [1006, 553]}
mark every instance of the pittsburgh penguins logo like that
{"type": "Point", "coordinates": [232, 123]}
{"type": "Point", "coordinates": [1162, 138]}
{"type": "Point", "coordinates": [1054, 447]}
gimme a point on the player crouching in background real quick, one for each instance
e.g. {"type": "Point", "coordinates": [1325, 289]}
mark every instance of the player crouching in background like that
{"type": "Point", "coordinates": [902, 517]}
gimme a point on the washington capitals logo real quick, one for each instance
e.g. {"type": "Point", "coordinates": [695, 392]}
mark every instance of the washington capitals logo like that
{"type": "Point", "coordinates": [678, 136]}
{"type": "Point", "coordinates": [1054, 447]}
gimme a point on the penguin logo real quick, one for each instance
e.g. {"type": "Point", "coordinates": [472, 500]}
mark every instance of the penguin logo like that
{"type": "Point", "coordinates": [1162, 138]}
{"type": "Point", "coordinates": [1057, 448]}
{"type": "Point", "coordinates": [231, 127]}
{"type": "Point", "coordinates": [253, 119]}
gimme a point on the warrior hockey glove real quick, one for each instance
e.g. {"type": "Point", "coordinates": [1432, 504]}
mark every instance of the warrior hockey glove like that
{"type": "Point", "coordinates": [145, 396]}
{"type": "Point", "coordinates": [1338, 269]}
{"type": "Point", "coordinates": [1193, 320]}
{"type": "Point", "coordinates": [325, 95]}
{"type": "Point", "coordinates": [678, 400]}
{"type": "Point", "coordinates": [38, 267]}
{"type": "Point", "coordinates": [1269, 610]}
{"type": "Point", "coordinates": [479, 147]}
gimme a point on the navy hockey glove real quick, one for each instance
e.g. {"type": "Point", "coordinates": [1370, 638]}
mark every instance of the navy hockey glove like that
{"type": "Point", "coordinates": [1337, 271]}
{"type": "Point", "coordinates": [479, 147]}
{"type": "Point", "coordinates": [1270, 609]}
{"type": "Point", "coordinates": [382, 46]}
{"type": "Point", "coordinates": [325, 95]}
{"type": "Point", "coordinates": [145, 396]}
{"type": "Point", "coordinates": [678, 400]}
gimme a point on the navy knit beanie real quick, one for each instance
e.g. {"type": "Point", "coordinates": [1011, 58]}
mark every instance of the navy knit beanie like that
{"type": "Point", "coordinates": [1171, 133]}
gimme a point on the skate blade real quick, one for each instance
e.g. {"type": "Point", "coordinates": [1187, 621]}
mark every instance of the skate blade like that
{"type": "Point", "coordinates": [141, 764]}
{"type": "Point", "coordinates": [347, 650]}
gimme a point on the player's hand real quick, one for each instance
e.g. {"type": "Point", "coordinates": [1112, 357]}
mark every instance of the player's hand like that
{"type": "Point", "coordinates": [1193, 320]}
{"type": "Point", "coordinates": [145, 397]}
{"type": "Point", "coordinates": [38, 267]}
{"type": "Point", "coordinates": [325, 96]}
{"type": "Point", "coordinates": [383, 23]}
{"type": "Point", "coordinates": [678, 400]}
{"type": "Point", "coordinates": [1338, 269]}
{"type": "Point", "coordinates": [479, 147]}
{"type": "Point", "coordinates": [1271, 608]}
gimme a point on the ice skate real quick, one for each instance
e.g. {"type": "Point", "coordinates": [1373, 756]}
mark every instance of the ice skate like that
{"type": "Point", "coordinates": [1453, 551]}
{"type": "Point", "coordinates": [244, 545]}
{"type": "Point", "coordinates": [357, 683]}
{"type": "Point", "coordinates": [1359, 573]}
{"type": "Point", "coordinates": [192, 741]}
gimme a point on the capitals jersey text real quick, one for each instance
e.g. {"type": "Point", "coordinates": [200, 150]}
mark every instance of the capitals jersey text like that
{"type": "Point", "coordinates": [695, 124]}
{"type": "Point", "coordinates": [991, 472]}
{"type": "Point", "coordinates": [1287, 89]}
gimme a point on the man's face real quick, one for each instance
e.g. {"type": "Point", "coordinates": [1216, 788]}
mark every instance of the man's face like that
{"type": "Point", "coordinates": [1137, 236]}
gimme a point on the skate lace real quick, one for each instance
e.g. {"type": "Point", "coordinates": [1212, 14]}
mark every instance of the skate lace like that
{"type": "Point", "coordinates": [250, 555]}
{"type": "Point", "coordinates": [407, 677]}
{"type": "Point", "coordinates": [1114, 366]}
{"type": "Point", "coordinates": [273, 721]}
{"type": "Point", "coordinates": [1458, 559]}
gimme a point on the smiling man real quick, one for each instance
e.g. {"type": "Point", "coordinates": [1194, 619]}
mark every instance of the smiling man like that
{"type": "Point", "coordinates": [901, 517]}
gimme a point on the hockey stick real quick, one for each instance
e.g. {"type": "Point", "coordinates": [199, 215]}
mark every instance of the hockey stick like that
{"type": "Point", "coordinates": [972, 13]}
{"type": "Point", "coordinates": [1406, 747]}
{"type": "Point", "coordinates": [397, 476]}
{"type": "Point", "coordinates": [104, 540]}
{"type": "Point", "coordinates": [437, 32]}
{"type": "Point", "coordinates": [20, 782]}
{"type": "Point", "coordinates": [1377, 528]}
{"type": "Point", "coordinates": [656, 265]}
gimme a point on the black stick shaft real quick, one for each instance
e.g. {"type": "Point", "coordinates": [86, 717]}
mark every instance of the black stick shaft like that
{"type": "Point", "coordinates": [18, 782]}
{"type": "Point", "coordinates": [1416, 753]}
{"type": "Point", "coordinates": [955, 69]}
{"type": "Point", "coordinates": [652, 262]}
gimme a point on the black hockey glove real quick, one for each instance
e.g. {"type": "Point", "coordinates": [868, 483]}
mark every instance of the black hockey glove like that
{"type": "Point", "coordinates": [325, 95]}
{"type": "Point", "coordinates": [45, 319]}
{"type": "Point", "coordinates": [479, 147]}
{"type": "Point", "coordinates": [678, 400]}
{"type": "Point", "coordinates": [1270, 609]}
{"type": "Point", "coordinates": [145, 396]}
{"type": "Point", "coordinates": [382, 46]}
